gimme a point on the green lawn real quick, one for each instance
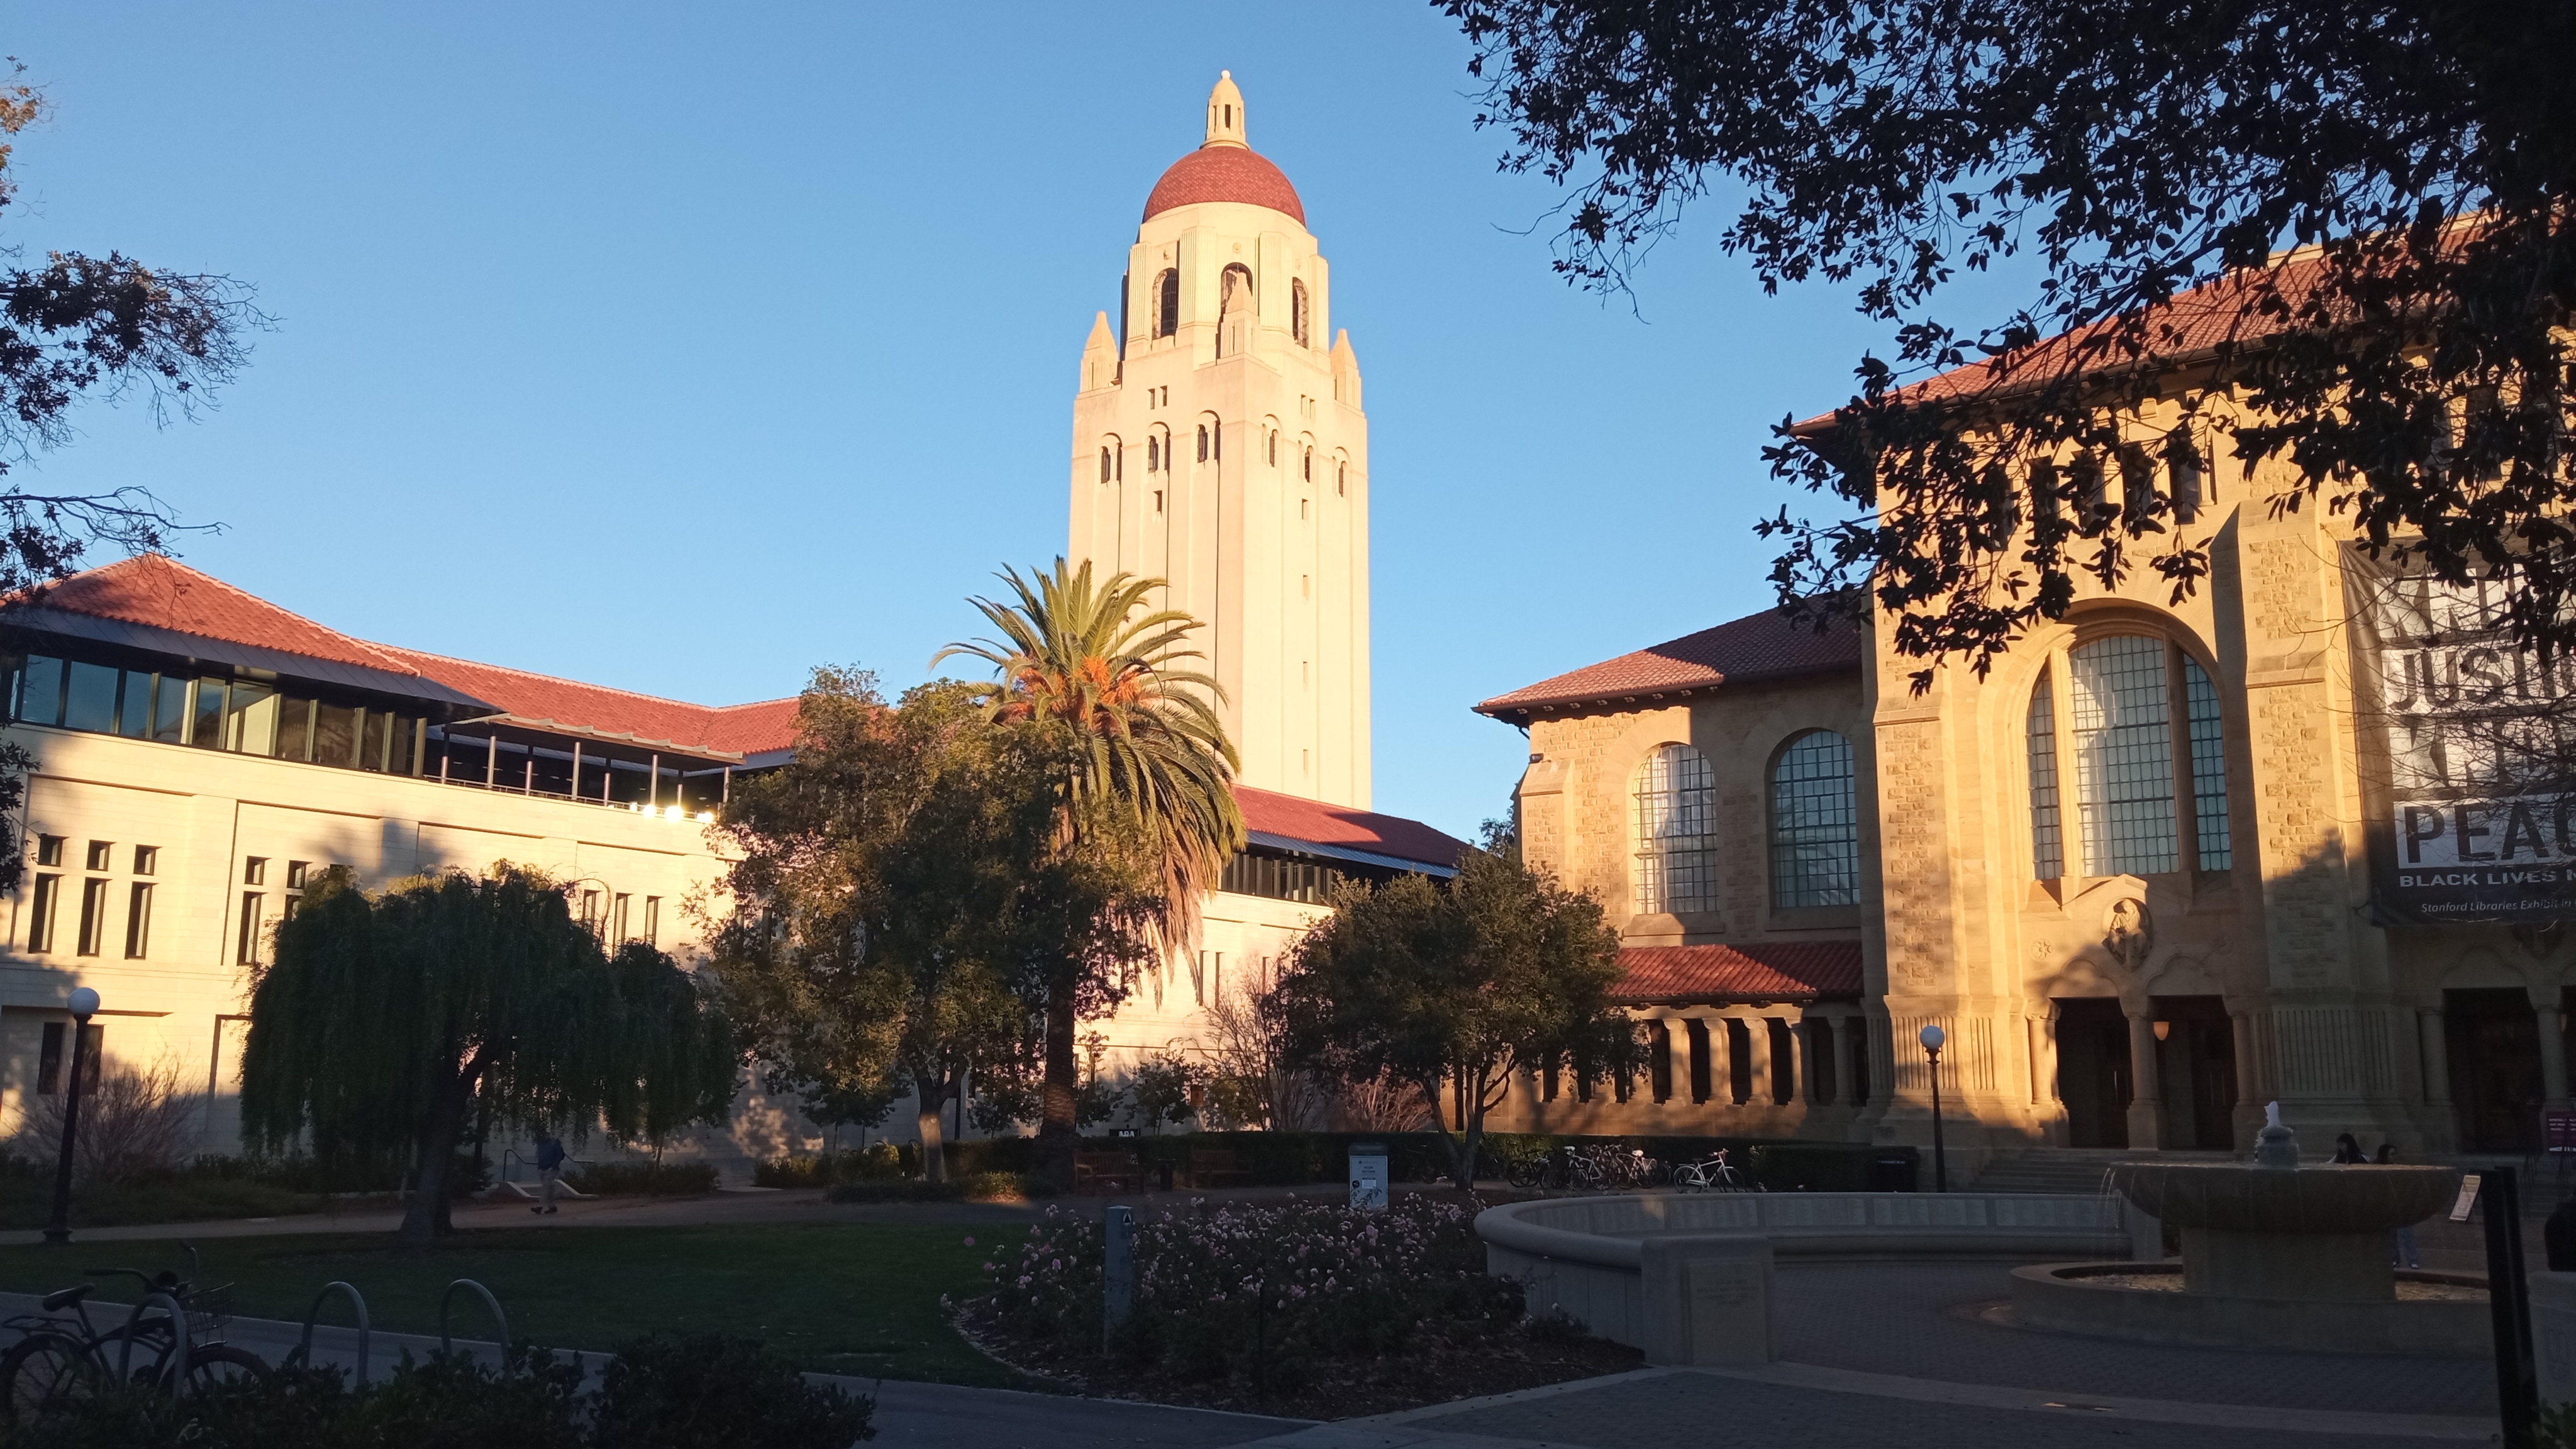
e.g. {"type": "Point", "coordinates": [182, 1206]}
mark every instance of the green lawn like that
{"type": "Point", "coordinates": [857, 1298]}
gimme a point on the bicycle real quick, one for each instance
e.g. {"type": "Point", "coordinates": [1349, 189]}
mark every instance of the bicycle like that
{"type": "Point", "coordinates": [1712, 1173]}
{"type": "Point", "coordinates": [174, 1333]}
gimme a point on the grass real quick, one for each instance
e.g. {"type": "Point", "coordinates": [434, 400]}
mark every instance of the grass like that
{"type": "Point", "coordinates": [27, 1201]}
{"type": "Point", "coordinates": [857, 1298]}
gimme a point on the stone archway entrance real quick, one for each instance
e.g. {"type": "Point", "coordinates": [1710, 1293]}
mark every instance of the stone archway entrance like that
{"type": "Point", "coordinates": [2094, 1079]}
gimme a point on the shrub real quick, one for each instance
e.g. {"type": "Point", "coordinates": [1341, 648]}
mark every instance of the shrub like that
{"type": "Point", "coordinates": [644, 1179]}
{"type": "Point", "coordinates": [137, 1122]}
{"type": "Point", "coordinates": [971, 1187]}
{"type": "Point", "coordinates": [707, 1389]}
{"type": "Point", "coordinates": [1269, 1288]}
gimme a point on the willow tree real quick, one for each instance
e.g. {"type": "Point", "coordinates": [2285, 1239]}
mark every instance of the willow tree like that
{"type": "Point", "coordinates": [1143, 779]}
{"type": "Point", "coordinates": [384, 1019]}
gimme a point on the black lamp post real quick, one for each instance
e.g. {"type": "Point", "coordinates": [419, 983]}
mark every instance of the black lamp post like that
{"type": "Point", "coordinates": [84, 1005]}
{"type": "Point", "coordinates": [1932, 1037]}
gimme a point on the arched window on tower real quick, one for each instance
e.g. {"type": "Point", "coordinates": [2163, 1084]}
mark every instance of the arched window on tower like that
{"type": "Point", "coordinates": [1104, 465]}
{"type": "Point", "coordinates": [1297, 310]}
{"type": "Point", "coordinates": [1203, 443]}
{"type": "Point", "coordinates": [1676, 836]}
{"type": "Point", "coordinates": [1341, 477]}
{"type": "Point", "coordinates": [1153, 454]}
{"type": "Point", "coordinates": [1234, 311]}
{"type": "Point", "coordinates": [1815, 824]}
{"type": "Point", "coordinates": [1273, 446]}
{"type": "Point", "coordinates": [1306, 465]}
{"type": "Point", "coordinates": [1167, 302]}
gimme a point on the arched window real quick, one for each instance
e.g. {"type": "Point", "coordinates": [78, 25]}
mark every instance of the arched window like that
{"type": "Point", "coordinates": [1104, 465]}
{"type": "Point", "coordinates": [1815, 824]}
{"type": "Point", "coordinates": [1167, 302]}
{"type": "Point", "coordinates": [1341, 476]}
{"type": "Point", "coordinates": [1676, 838]}
{"type": "Point", "coordinates": [1297, 310]}
{"type": "Point", "coordinates": [1203, 451]}
{"type": "Point", "coordinates": [2131, 805]}
{"type": "Point", "coordinates": [1153, 454]}
{"type": "Point", "coordinates": [1307, 464]}
{"type": "Point", "coordinates": [1274, 450]}
{"type": "Point", "coordinates": [1234, 311]}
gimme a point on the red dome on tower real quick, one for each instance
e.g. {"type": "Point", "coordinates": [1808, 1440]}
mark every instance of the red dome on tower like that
{"type": "Point", "coordinates": [1224, 173]}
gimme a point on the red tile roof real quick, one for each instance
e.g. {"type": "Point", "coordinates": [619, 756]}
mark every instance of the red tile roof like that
{"type": "Point", "coordinates": [744, 729]}
{"type": "Point", "coordinates": [1224, 173]}
{"type": "Point", "coordinates": [2193, 324]}
{"type": "Point", "coordinates": [161, 593]}
{"type": "Point", "coordinates": [1755, 647]}
{"type": "Point", "coordinates": [1754, 971]}
{"type": "Point", "coordinates": [1272, 813]}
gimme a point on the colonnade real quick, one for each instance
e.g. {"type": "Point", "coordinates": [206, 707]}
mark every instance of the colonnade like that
{"type": "Point", "coordinates": [1817, 1056]}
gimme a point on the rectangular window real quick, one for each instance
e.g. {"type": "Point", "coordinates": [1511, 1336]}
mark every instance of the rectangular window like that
{"type": "Point", "coordinates": [134, 705]}
{"type": "Point", "coordinates": [93, 917]}
{"type": "Point", "coordinates": [49, 1057]}
{"type": "Point", "coordinates": [42, 906]}
{"type": "Point", "coordinates": [49, 850]}
{"type": "Point", "coordinates": [40, 698]}
{"type": "Point", "coordinates": [170, 712]}
{"type": "Point", "coordinates": [206, 726]}
{"type": "Point", "coordinates": [652, 920]}
{"type": "Point", "coordinates": [403, 755]}
{"type": "Point", "coordinates": [89, 699]}
{"type": "Point", "coordinates": [250, 719]}
{"type": "Point", "coordinates": [100, 851]}
{"type": "Point", "coordinates": [590, 912]}
{"type": "Point", "coordinates": [147, 860]}
{"type": "Point", "coordinates": [372, 740]}
{"type": "Point", "coordinates": [617, 920]}
{"type": "Point", "coordinates": [246, 951]}
{"type": "Point", "coordinates": [138, 921]}
{"type": "Point", "coordinates": [294, 728]}
{"type": "Point", "coordinates": [335, 735]}
{"type": "Point", "coordinates": [254, 870]}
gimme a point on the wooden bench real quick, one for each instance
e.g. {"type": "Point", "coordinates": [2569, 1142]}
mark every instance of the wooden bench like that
{"type": "Point", "coordinates": [1108, 1169]}
{"type": "Point", "coordinates": [1216, 1167]}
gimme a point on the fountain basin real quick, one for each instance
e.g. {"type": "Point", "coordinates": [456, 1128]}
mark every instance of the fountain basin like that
{"type": "Point", "coordinates": [2316, 1234]}
{"type": "Point", "coordinates": [2443, 1315]}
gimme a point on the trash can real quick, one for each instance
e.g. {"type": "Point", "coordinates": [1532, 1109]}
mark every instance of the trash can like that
{"type": "Point", "coordinates": [1891, 1172]}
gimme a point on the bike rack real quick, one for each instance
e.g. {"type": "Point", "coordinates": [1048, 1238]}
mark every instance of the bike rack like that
{"type": "Point", "coordinates": [303, 1353]}
{"type": "Point", "coordinates": [178, 1333]}
{"type": "Point", "coordinates": [447, 1341]}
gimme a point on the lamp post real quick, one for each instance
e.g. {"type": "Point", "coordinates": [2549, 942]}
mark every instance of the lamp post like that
{"type": "Point", "coordinates": [1932, 1037]}
{"type": "Point", "coordinates": [84, 1005]}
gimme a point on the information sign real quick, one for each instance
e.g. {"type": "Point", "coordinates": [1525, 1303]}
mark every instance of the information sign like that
{"type": "Point", "coordinates": [1368, 1177]}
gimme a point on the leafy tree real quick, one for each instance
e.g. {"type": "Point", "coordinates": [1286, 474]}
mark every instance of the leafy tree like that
{"type": "Point", "coordinates": [75, 325]}
{"type": "Point", "coordinates": [1144, 787]}
{"type": "Point", "coordinates": [1166, 1088]}
{"type": "Point", "coordinates": [384, 1018]}
{"type": "Point", "coordinates": [893, 877]}
{"type": "Point", "coordinates": [1455, 985]}
{"type": "Point", "coordinates": [2141, 162]}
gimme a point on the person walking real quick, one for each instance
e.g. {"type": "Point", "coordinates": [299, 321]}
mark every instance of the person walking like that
{"type": "Point", "coordinates": [2401, 1248]}
{"type": "Point", "coordinates": [550, 1161]}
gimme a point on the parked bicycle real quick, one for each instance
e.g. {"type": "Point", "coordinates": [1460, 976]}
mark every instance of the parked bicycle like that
{"type": "Point", "coordinates": [173, 1336]}
{"type": "Point", "coordinates": [1712, 1173]}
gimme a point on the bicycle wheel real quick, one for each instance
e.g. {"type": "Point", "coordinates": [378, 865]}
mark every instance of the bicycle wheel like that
{"type": "Point", "coordinates": [44, 1373]}
{"type": "Point", "coordinates": [216, 1364]}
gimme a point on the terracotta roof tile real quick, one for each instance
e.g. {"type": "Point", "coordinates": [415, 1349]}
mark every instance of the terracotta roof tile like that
{"type": "Point", "coordinates": [1754, 971]}
{"type": "Point", "coordinates": [1755, 647]}
{"type": "Point", "coordinates": [162, 593]}
{"type": "Point", "coordinates": [1224, 173]}
{"type": "Point", "coordinates": [735, 729]}
{"type": "Point", "coordinates": [1272, 813]}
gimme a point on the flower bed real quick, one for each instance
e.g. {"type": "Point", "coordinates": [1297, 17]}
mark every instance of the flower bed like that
{"type": "Point", "coordinates": [1301, 1307]}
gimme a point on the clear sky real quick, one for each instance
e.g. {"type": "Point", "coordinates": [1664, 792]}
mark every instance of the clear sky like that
{"type": "Point", "coordinates": [681, 348]}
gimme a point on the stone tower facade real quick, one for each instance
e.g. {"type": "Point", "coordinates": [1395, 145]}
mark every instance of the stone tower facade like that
{"type": "Point", "coordinates": [1218, 445]}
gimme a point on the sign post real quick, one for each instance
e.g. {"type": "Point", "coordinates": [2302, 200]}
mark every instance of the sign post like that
{"type": "Point", "coordinates": [1368, 1177]}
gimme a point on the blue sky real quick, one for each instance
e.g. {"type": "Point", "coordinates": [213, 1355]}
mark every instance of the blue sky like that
{"type": "Point", "coordinates": [684, 348]}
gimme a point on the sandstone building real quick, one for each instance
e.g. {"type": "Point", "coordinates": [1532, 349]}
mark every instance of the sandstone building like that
{"type": "Point", "coordinates": [2167, 862]}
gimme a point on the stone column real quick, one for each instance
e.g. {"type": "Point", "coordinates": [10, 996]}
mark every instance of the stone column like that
{"type": "Point", "coordinates": [1757, 1036]}
{"type": "Point", "coordinates": [2553, 1058]}
{"type": "Point", "coordinates": [2437, 1057]}
{"type": "Point", "coordinates": [1855, 1062]}
{"type": "Point", "coordinates": [2146, 1115]}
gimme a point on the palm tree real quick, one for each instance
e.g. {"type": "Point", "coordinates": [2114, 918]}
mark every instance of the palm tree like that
{"type": "Point", "coordinates": [1147, 762]}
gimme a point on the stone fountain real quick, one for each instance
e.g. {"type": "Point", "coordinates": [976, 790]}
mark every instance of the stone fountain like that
{"type": "Point", "coordinates": [2273, 1255]}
